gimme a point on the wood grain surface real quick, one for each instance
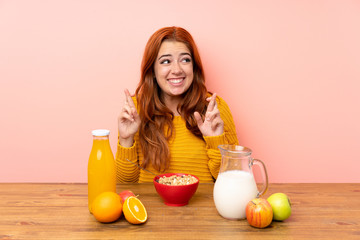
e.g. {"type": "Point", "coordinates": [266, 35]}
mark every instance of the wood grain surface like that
{"type": "Point", "coordinates": [59, 211]}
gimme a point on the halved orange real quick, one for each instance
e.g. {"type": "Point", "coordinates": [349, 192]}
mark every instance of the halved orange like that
{"type": "Point", "coordinates": [134, 210]}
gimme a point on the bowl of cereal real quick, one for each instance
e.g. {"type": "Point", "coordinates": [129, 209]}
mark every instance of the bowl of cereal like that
{"type": "Point", "coordinates": [176, 189]}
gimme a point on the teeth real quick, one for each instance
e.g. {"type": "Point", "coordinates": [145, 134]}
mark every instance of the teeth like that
{"type": "Point", "coordinates": [176, 80]}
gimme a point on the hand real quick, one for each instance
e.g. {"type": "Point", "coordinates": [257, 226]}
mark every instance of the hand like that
{"type": "Point", "coordinates": [212, 125]}
{"type": "Point", "coordinates": [128, 122]}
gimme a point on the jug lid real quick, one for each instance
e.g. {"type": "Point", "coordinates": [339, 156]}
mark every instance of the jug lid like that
{"type": "Point", "coordinates": [100, 132]}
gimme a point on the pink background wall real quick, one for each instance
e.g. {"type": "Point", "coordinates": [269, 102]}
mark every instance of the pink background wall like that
{"type": "Point", "coordinates": [290, 71]}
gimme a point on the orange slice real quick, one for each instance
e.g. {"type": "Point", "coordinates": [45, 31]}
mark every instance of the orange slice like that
{"type": "Point", "coordinates": [134, 211]}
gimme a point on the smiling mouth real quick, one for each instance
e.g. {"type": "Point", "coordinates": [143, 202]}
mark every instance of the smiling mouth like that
{"type": "Point", "coordinates": [176, 80]}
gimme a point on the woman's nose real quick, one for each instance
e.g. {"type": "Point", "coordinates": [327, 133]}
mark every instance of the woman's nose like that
{"type": "Point", "coordinates": [176, 68]}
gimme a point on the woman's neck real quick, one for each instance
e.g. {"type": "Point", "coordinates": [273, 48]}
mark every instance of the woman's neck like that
{"type": "Point", "coordinates": [172, 103]}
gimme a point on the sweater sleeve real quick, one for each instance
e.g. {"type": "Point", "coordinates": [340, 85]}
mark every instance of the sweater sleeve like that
{"type": "Point", "coordinates": [228, 137]}
{"type": "Point", "coordinates": [125, 171]}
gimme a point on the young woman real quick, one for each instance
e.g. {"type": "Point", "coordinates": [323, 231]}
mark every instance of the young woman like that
{"type": "Point", "coordinates": [172, 124]}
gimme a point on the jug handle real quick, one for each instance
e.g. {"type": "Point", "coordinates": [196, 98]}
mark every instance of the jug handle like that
{"type": "Point", "coordinates": [264, 176]}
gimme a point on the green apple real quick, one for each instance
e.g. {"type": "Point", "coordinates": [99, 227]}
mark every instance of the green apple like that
{"type": "Point", "coordinates": [281, 206]}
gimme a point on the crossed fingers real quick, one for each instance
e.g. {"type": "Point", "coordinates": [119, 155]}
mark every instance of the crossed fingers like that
{"type": "Point", "coordinates": [129, 107]}
{"type": "Point", "coordinates": [212, 110]}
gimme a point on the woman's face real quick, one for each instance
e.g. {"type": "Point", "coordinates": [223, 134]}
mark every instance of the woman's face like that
{"type": "Point", "coordinates": [173, 68]}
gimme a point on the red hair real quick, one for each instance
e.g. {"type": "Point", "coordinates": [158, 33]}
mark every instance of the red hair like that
{"type": "Point", "coordinates": [156, 126]}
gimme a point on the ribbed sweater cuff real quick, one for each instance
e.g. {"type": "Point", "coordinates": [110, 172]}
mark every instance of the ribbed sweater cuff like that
{"type": "Point", "coordinates": [129, 153]}
{"type": "Point", "coordinates": [214, 141]}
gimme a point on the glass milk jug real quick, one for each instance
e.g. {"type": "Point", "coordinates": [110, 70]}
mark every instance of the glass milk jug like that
{"type": "Point", "coordinates": [235, 185]}
{"type": "Point", "coordinates": [101, 166]}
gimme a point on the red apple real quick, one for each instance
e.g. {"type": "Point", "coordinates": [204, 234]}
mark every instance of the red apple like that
{"type": "Point", "coordinates": [125, 194]}
{"type": "Point", "coordinates": [259, 213]}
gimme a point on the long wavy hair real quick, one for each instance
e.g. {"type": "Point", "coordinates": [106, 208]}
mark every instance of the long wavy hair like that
{"type": "Point", "coordinates": [156, 126]}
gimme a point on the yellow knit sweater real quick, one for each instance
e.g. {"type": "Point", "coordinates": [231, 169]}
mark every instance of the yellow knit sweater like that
{"type": "Point", "coordinates": [189, 154]}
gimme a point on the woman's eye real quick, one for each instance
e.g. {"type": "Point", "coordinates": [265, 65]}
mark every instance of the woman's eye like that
{"type": "Point", "coordinates": [186, 60]}
{"type": "Point", "coordinates": [165, 61]}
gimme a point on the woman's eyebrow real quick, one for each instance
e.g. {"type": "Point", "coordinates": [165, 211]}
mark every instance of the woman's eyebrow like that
{"type": "Point", "coordinates": [188, 54]}
{"type": "Point", "coordinates": [185, 53]}
{"type": "Point", "coordinates": [165, 55]}
{"type": "Point", "coordinates": [169, 55]}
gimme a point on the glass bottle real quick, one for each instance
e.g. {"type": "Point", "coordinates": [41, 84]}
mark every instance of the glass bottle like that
{"type": "Point", "coordinates": [101, 166]}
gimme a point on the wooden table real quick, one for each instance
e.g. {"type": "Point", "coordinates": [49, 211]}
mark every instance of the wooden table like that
{"type": "Point", "coordinates": [59, 211]}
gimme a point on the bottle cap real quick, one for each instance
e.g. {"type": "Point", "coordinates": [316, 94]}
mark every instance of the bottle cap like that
{"type": "Point", "coordinates": [100, 132]}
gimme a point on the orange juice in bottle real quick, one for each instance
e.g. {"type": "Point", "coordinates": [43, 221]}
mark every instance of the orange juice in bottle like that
{"type": "Point", "coordinates": [101, 166]}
